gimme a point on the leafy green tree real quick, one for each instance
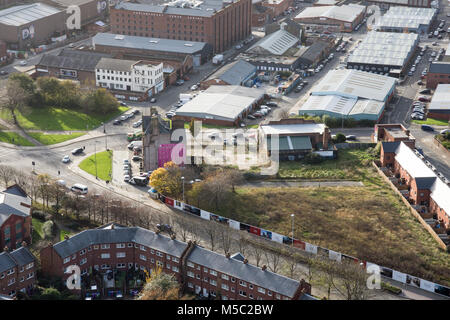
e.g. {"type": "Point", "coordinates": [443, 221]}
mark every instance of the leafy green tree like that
{"type": "Point", "coordinates": [340, 137]}
{"type": "Point", "coordinates": [50, 294]}
{"type": "Point", "coordinates": [100, 101]}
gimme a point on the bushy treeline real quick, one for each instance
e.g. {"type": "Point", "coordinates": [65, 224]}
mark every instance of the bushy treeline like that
{"type": "Point", "coordinates": [52, 92]}
{"type": "Point", "coordinates": [333, 122]}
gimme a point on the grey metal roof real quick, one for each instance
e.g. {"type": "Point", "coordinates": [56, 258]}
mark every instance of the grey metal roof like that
{"type": "Point", "coordinates": [240, 71]}
{"type": "Point", "coordinates": [22, 256]}
{"type": "Point", "coordinates": [6, 262]}
{"type": "Point", "coordinates": [72, 59]}
{"type": "Point", "coordinates": [441, 98]}
{"type": "Point", "coordinates": [314, 51]}
{"type": "Point", "coordinates": [276, 43]}
{"type": "Point", "coordinates": [115, 64]}
{"type": "Point", "coordinates": [20, 15]}
{"type": "Point", "coordinates": [11, 203]}
{"type": "Point", "coordinates": [145, 43]}
{"type": "Point", "coordinates": [244, 271]}
{"type": "Point", "coordinates": [103, 236]}
{"type": "Point", "coordinates": [390, 147]}
{"type": "Point", "coordinates": [425, 182]}
{"type": "Point", "coordinates": [440, 67]}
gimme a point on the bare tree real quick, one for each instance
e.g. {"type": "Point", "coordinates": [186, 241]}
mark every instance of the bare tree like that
{"type": "Point", "coordinates": [257, 252]}
{"type": "Point", "coordinates": [225, 237]}
{"type": "Point", "coordinates": [351, 281]}
{"type": "Point", "coordinates": [273, 259]}
{"type": "Point", "coordinates": [242, 243]}
{"type": "Point", "coordinates": [6, 174]}
{"type": "Point", "coordinates": [211, 230]}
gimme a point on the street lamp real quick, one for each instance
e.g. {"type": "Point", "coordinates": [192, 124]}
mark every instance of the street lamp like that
{"type": "Point", "coordinates": [182, 179]}
{"type": "Point", "coordinates": [292, 216]}
{"type": "Point", "coordinates": [95, 158]}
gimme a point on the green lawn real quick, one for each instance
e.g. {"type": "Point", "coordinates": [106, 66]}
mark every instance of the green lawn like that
{"type": "Point", "coordinates": [62, 234]}
{"type": "Point", "coordinates": [14, 138]}
{"type": "Point", "coordinates": [57, 119]}
{"type": "Point", "coordinates": [38, 234]}
{"type": "Point", "coordinates": [431, 121]}
{"type": "Point", "coordinates": [49, 139]}
{"type": "Point", "coordinates": [104, 165]}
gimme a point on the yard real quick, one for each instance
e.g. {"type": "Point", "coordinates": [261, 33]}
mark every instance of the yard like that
{"type": "Point", "coordinates": [57, 119]}
{"type": "Point", "coordinates": [432, 121]}
{"type": "Point", "coordinates": [104, 165]}
{"type": "Point", "coordinates": [444, 139]}
{"type": "Point", "coordinates": [14, 138]}
{"type": "Point", "coordinates": [49, 139]}
{"type": "Point", "coordinates": [38, 234]}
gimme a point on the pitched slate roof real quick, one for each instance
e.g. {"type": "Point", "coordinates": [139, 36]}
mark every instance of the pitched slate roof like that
{"type": "Point", "coordinates": [115, 64]}
{"type": "Point", "coordinates": [11, 202]}
{"type": "Point", "coordinates": [22, 256]}
{"type": "Point", "coordinates": [390, 146]}
{"type": "Point", "coordinates": [104, 236]}
{"type": "Point", "coordinates": [72, 59]}
{"type": "Point", "coordinates": [239, 71]}
{"type": "Point", "coordinates": [6, 262]}
{"type": "Point", "coordinates": [424, 183]}
{"type": "Point", "coordinates": [244, 271]}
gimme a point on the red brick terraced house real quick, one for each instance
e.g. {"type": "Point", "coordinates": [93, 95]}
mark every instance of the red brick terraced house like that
{"type": "Point", "coordinates": [426, 186]}
{"type": "Point", "coordinates": [197, 269]}
{"type": "Point", "coordinates": [17, 271]}
{"type": "Point", "coordinates": [15, 218]}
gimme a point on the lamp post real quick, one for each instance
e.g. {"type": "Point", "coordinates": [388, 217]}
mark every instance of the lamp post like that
{"type": "Point", "coordinates": [182, 179]}
{"type": "Point", "coordinates": [292, 216]}
{"type": "Point", "coordinates": [95, 158]}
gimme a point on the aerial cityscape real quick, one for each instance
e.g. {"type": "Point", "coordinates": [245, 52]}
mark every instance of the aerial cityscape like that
{"type": "Point", "coordinates": [224, 150]}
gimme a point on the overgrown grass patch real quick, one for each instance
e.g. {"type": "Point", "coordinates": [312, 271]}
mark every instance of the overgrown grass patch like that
{"type": "Point", "coordinates": [431, 121]}
{"type": "Point", "coordinates": [104, 165]}
{"type": "Point", "coordinates": [14, 138]}
{"type": "Point", "coordinates": [37, 234]}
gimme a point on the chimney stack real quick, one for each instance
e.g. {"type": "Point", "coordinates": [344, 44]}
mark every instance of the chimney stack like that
{"type": "Point", "coordinates": [227, 255]}
{"type": "Point", "coordinates": [112, 226]}
{"type": "Point", "coordinates": [245, 261]}
{"type": "Point", "coordinates": [24, 244]}
{"type": "Point", "coordinates": [264, 267]}
{"type": "Point", "coordinates": [326, 133]}
{"type": "Point", "coordinates": [6, 249]}
{"type": "Point", "coordinates": [172, 236]}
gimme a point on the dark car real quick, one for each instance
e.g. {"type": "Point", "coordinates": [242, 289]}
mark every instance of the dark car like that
{"type": "Point", "coordinates": [117, 122]}
{"type": "Point", "coordinates": [425, 91]}
{"type": "Point", "coordinates": [426, 127]}
{"type": "Point", "coordinates": [350, 137]}
{"type": "Point", "coordinates": [136, 111]}
{"type": "Point", "coordinates": [3, 72]}
{"type": "Point", "coordinates": [77, 151]}
{"type": "Point", "coordinates": [271, 104]}
{"type": "Point", "coordinates": [136, 158]}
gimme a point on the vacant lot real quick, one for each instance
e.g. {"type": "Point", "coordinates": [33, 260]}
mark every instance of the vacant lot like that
{"type": "Point", "coordinates": [104, 165]}
{"type": "Point", "coordinates": [57, 119]}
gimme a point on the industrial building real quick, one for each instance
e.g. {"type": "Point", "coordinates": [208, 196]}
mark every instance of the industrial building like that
{"type": "Point", "coordinates": [406, 19]}
{"type": "Point", "coordinates": [221, 105]}
{"type": "Point", "coordinates": [90, 10]}
{"type": "Point", "coordinates": [386, 4]}
{"type": "Point", "coordinates": [439, 107]}
{"type": "Point", "coordinates": [237, 73]}
{"type": "Point", "coordinates": [350, 94]}
{"type": "Point", "coordinates": [438, 73]}
{"type": "Point", "coordinates": [339, 18]}
{"type": "Point", "coordinates": [382, 52]}
{"type": "Point", "coordinates": [27, 26]}
{"type": "Point", "coordinates": [221, 23]}
{"type": "Point", "coordinates": [393, 132]}
{"type": "Point", "coordinates": [149, 48]}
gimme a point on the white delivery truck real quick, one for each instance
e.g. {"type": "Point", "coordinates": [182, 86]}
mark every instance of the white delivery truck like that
{"type": "Point", "coordinates": [217, 59]}
{"type": "Point", "coordinates": [135, 144]}
{"type": "Point", "coordinates": [185, 97]}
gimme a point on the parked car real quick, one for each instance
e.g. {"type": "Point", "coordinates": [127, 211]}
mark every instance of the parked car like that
{"type": "Point", "coordinates": [416, 116]}
{"type": "Point", "coordinates": [66, 159]}
{"type": "Point", "coordinates": [123, 103]}
{"type": "Point", "coordinates": [251, 117]}
{"type": "Point", "coordinates": [444, 131]}
{"type": "Point", "coordinates": [117, 122]}
{"type": "Point", "coordinates": [425, 91]}
{"type": "Point", "coordinates": [3, 73]}
{"type": "Point", "coordinates": [137, 124]}
{"type": "Point", "coordinates": [194, 87]}
{"type": "Point", "coordinates": [426, 127]}
{"type": "Point", "coordinates": [424, 99]}
{"type": "Point", "coordinates": [136, 111]}
{"type": "Point", "coordinates": [272, 104]}
{"type": "Point", "coordinates": [350, 137]}
{"type": "Point", "coordinates": [77, 151]}
{"type": "Point", "coordinates": [257, 114]}
{"type": "Point", "coordinates": [79, 188]}
{"type": "Point", "coordinates": [23, 62]}
{"type": "Point", "coordinates": [179, 82]}
{"type": "Point", "coordinates": [136, 158]}
{"type": "Point", "coordinates": [153, 100]}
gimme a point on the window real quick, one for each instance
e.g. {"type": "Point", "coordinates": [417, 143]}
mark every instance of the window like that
{"type": "Point", "coordinates": [168, 266]}
{"type": "Point", "coordinates": [66, 260]}
{"type": "Point", "coordinates": [143, 248]}
{"type": "Point", "coordinates": [242, 283]}
{"type": "Point", "coordinates": [233, 279]}
{"type": "Point", "coordinates": [205, 270]}
{"type": "Point", "coordinates": [224, 287]}
{"type": "Point", "coordinates": [278, 296]}
{"type": "Point", "coordinates": [89, 248]}
{"type": "Point", "coordinates": [105, 266]}
{"type": "Point", "coordinates": [120, 254]}
{"type": "Point", "coordinates": [190, 285]}
{"type": "Point", "coordinates": [2, 276]}
{"type": "Point", "coordinates": [130, 245]}
{"type": "Point", "coordinates": [250, 296]}
{"type": "Point", "coordinates": [250, 286]}
{"type": "Point", "coordinates": [120, 245]}
{"type": "Point", "coordinates": [159, 264]}
{"type": "Point", "coordinates": [175, 259]}
{"type": "Point", "coordinates": [11, 281]}
{"type": "Point", "coordinates": [152, 260]}
{"type": "Point", "coordinates": [82, 252]}
{"type": "Point", "coordinates": [269, 293]}
{"type": "Point", "coordinates": [142, 257]}
{"type": "Point", "coordinates": [261, 290]}
{"type": "Point", "coordinates": [212, 293]}
{"type": "Point", "coordinates": [22, 279]}
{"type": "Point", "coordinates": [10, 272]}
{"type": "Point", "coordinates": [152, 251]}
{"type": "Point", "coordinates": [105, 256]}
{"type": "Point", "coordinates": [232, 289]}
{"type": "Point", "coordinates": [214, 273]}
{"type": "Point", "coordinates": [206, 279]}
{"type": "Point", "coordinates": [21, 269]}
{"type": "Point", "coordinates": [190, 274]}
{"type": "Point", "coordinates": [175, 269]}
{"type": "Point", "coordinates": [83, 261]}
{"type": "Point", "coordinates": [105, 246]}
{"type": "Point", "coordinates": [74, 256]}
{"type": "Point", "coordinates": [225, 277]}
{"type": "Point", "coordinates": [197, 276]}
{"type": "Point", "coordinates": [168, 257]}
{"type": "Point", "coordinates": [213, 282]}
{"type": "Point", "coordinates": [242, 293]}
{"type": "Point", "coordinates": [159, 254]}
{"type": "Point", "coordinates": [121, 265]}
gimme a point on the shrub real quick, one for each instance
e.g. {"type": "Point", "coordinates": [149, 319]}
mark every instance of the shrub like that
{"type": "Point", "coordinates": [390, 288]}
{"type": "Point", "coordinates": [340, 137]}
{"type": "Point", "coordinates": [50, 294]}
{"type": "Point", "coordinates": [38, 215]}
{"type": "Point", "coordinates": [313, 158]}
{"type": "Point", "coordinates": [48, 229]}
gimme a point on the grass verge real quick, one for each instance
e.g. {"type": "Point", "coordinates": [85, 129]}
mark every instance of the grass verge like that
{"type": "Point", "coordinates": [104, 165]}
{"type": "Point", "coordinates": [14, 138]}
{"type": "Point", "coordinates": [38, 234]}
{"type": "Point", "coordinates": [49, 139]}
{"type": "Point", "coordinates": [57, 119]}
{"type": "Point", "coordinates": [431, 121]}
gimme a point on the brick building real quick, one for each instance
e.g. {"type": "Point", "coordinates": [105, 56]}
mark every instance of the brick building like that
{"type": "Point", "coordinates": [393, 132]}
{"type": "Point", "coordinates": [439, 73]}
{"type": "Point", "coordinates": [277, 6]}
{"type": "Point", "coordinates": [17, 271]}
{"type": "Point", "coordinates": [15, 218]}
{"type": "Point", "coordinates": [197, 269]}
{"type": "Point", "coordinates": [422, 184]}
{"type": "Point", "coordinates": [219, 23]}
{"type": "Point", "coordinates": [439, 108]}
{"type": "Point", "coordinates": [260, 15]}
{"type": "Point", "coordinates": [386, 4]}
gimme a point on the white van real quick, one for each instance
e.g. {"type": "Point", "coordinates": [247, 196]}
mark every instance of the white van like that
{"type": "Point", "coordinates": [79, 188]}
{"type": "Point", "coordinates": [135, 144]}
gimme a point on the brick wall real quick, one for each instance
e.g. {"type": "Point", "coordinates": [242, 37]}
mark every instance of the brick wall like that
{"type": "Point", "coordinates": [24, 232]}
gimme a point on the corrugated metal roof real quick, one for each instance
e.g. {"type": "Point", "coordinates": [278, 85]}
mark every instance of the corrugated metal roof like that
{"type": "Point", "coordinates": [276, 43]}
{"type": "Point", "coordinates": [347, 13]}
{"type": "Point", "coordinates": [145, 43]}
{"type": "Point", "coordinates": [287, 129]}
{"type": "Point", "coordinates": [72, 59]}
{"type": "Point", "coordinates": [115, 64]}
{"type": "Point", "coordinates": [406, 17]}
{"type": "Point", "coordinates": [240, 71]}
{"type": "Point", "coordinates": [441, 98]}
{"type": "Point", "coordinates": [20, 15]}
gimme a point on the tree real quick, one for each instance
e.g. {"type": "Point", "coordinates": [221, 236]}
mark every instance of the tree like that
{"type": "Point", "coordinates": [350, 281]}
{"type": "Point", "coordinates": [167, 180]}
{"type": "Point", "coordinates": [17, 95]}
{"type": "Point", "coordinates": [99, 101]}
{"type": "Point", "coordinates": [160, 286]}
{"type": "Point", "coordinates": [273, 259]}
{"type": "Point", "coordinates": [50, 294]}
{"type": "Point", "coordinates": [6, 174]}
{"type": "Point", "coordinates": [340, 137]}
{"type": "Point", "coordinates": [212, 232]}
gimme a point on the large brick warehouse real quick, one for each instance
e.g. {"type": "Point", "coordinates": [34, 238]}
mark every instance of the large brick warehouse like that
{"type": "Point", "coordinates": [219, 23]}
{"type": "Point", "coordinates": [197, 269]}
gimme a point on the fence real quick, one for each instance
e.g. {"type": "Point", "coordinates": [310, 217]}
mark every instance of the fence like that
{"type": "Point", "coordinates": [305, 246]}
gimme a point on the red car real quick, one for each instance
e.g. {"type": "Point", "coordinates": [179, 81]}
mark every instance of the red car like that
{"type": "Point", "coordinates": [424, 99]}
{"type": "Point", "coordinates": [257, 114]}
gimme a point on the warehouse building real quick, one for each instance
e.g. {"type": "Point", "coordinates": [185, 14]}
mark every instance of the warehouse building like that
{"type": "Point", "coordinates": [339, 18]}
{"type": "Point", "coordinates": [221, 105]}
{"type": "Point", "coordinates": [438, 73]}
{"type": "Point", "coordinates": [406, 19]}
{"type": "Point", "coordinates": [386, 4]}
{"type": "Point", "coordinates": [439, 107]}
{"type": "Point", "coordinates": [148, 48]}
{"type": "Point", "coordinates": [382, 52]}
{"type": "Point", "coordinates": [237, 73]}
{"type": "Point", "coordinates": [220, 23]}
{"type": "Point", "coordinates": [90, 10]}
{"type": "Point", "coordinates": [28, 26]}
{"type": "Point", "coordinates": [350, 94]}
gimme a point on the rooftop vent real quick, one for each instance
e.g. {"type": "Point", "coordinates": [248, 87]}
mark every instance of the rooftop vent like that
{"type": "Point", "coordinates": [188, 44]}
{"type": "Point", "coordinates": [119, 37]}
{"type": "Point", "coordinates": [153, 41]}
